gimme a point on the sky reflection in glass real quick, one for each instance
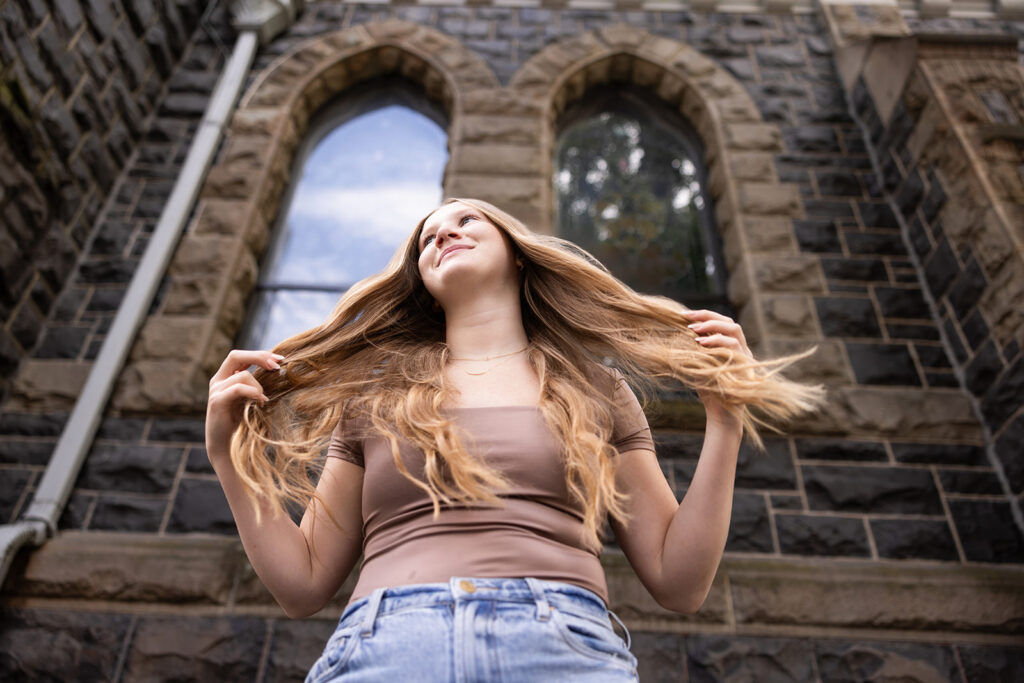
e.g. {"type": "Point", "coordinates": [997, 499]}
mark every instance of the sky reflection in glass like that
{"type": "Point", "coordinates": [362, 191]}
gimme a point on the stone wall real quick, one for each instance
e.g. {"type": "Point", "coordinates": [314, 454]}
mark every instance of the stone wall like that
{"type": "Point", "coordinates": [78, 84]}
{"type": "Point", "coordinates": [894, 486]}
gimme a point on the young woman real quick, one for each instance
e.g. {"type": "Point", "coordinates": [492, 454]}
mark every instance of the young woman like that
{"type": "Point", "coordinates": [475, 402]}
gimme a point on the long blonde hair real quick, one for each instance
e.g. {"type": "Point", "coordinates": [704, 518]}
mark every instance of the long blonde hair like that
{"type": "Point", "coordinates": [381, 355]}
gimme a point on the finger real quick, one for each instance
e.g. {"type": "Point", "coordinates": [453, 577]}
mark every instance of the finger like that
{"type": "Point", "coordinates": [704, 314]}
{"type": "Point", "coordinates": [718, 326]}
{"type": "Point", "coordinates": [236, 392]}
{"type": "Point", "coordinates": [243, 376]}
{"type": "Point", "coordinates": [720, 340]}
{"type": "Point", "coordinates": [240, 359]}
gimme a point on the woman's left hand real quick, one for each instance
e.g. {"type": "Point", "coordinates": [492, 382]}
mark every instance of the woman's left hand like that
{"type": "Point", "coordinates": [716, 330]}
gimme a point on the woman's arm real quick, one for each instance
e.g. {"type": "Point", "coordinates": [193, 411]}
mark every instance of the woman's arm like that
{"type": "Point", "coordinates": [280, 551]}
{"type": "Point", "coordinates": [675, 548]}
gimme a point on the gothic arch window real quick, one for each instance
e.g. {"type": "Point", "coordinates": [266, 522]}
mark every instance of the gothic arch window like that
{"type": "Point", "coordinates": [630, 187]}
{"type": "Point", "coordinates": [368, 169]}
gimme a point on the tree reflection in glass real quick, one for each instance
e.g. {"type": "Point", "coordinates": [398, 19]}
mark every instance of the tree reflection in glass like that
{"type": "Point", "coordinates": [628, 190]}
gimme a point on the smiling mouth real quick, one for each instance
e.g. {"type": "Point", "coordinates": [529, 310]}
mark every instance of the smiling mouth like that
{"type": "Point", "coordinates": [451, 250]}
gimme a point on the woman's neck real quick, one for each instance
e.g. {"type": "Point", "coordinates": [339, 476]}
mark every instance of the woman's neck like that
{"type": "Point", "coordinates": [485, 328]}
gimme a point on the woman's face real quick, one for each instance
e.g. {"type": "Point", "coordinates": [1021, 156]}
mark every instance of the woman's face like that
{"type": "Point", "coordinates": [460, 251]}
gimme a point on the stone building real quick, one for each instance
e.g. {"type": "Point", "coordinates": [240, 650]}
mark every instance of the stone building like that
{"type": "Point", "coordinates": [862, 169]}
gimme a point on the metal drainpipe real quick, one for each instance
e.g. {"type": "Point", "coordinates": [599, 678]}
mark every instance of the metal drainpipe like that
{"type": "Point", "coordinates": [257, 22]}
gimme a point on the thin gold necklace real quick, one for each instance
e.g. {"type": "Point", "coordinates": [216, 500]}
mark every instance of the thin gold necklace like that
{"type": "Point", "coordinates": [503, 355]}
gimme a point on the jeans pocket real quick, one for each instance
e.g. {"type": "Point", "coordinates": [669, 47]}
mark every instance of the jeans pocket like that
{"type": "Point", "coordinates": [592, 637]}
{"type": "Point", "coordinates": [336, 654]}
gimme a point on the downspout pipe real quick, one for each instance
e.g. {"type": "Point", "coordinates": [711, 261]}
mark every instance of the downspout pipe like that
{"type": "Point", "coordinates": [257, 22]}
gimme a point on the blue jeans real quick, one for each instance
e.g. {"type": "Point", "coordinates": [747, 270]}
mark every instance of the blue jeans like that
{"type": "Point", "coordinates": [471, 629]}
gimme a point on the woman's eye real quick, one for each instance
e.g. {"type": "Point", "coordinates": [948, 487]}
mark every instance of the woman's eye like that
{"type": "Point", "coordinates": [465, 218]}
{"type": "Point", "coordinates": [427, 240]}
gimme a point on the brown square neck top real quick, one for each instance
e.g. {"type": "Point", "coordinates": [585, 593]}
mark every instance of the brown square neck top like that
{"type": "Point", "coordinates": [536, 533]}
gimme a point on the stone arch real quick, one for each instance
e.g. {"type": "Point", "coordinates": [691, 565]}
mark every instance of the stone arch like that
{"type": "Point", "coordinates": [753, 208]}
{"type": "Point", "coordinates": [214, 268]}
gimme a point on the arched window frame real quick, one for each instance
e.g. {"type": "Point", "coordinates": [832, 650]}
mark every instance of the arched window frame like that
{"type": "Point", "coordinates": [357, 100]}
{"type": "Point", "coordinates": [630, 100]}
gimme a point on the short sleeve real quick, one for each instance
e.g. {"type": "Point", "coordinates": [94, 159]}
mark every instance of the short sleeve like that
{"type": "Point", "coordinates": [346, 444]}
{"type": "Point", "coordinates": [630, 430]}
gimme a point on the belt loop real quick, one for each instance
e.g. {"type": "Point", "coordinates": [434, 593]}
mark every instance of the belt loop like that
{"type": "Point", "coordinates": [543, 608]}
{"type": "Point", "coordinates": [372, 607]}
{"type": "Point", "coordinates": [629, 640]}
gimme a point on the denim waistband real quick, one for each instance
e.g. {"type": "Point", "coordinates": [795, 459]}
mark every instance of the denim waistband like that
{"type": "Point", "coordinates": [544, 594]}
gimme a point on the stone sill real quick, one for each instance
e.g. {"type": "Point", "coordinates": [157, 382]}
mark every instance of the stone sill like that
{"type": "Point", "coordinates": [762, 595]}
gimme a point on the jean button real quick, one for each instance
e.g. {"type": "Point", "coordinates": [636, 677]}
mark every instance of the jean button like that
{"type": "Point", "coordinates": [467, 586]}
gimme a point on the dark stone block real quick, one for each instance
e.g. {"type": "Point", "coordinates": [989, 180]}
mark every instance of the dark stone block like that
{"type": "Point", "coordinates": [909, 194]}
{"type": "Point", "coordinates": [892, 175]}
{"type": "Point", "coordinates": [200, 506]}
{"type": "Point", "coordinates": [933, 202]}
{"type": "Point", "coordinates": [919, 239]}
{"type": "Point", "coordinates": [749, 529]}
{"type": "Point", "coordinates": [983, 369]}
{"type": "Point", "coordinates": [128, 514]}
{"type": "Point", "coordinates": [740, 68]}
{"type": "Point", "coordinates": [60, 644]}
{"type": "Point", "coordinates": [877, 215]}
{"type": "Point", "coordinates": [901, 331]}
{"type": "Point", "coordinates": [1009, 448]}
{"type": "Point", "coordinates": [782, 501]}
{"type": "Point", "coordinates": [811, 139]}
{"type": "Point", "coordinates": [975, 330]}
{"type": "Point", "coordinates": [828, 209]}
{"type": "Point", "coordinates": [676, 446]}
{"type": "Point", "coordinates": [721, 658]}
{"type": "Point", "coordinates": [26, 325]}
{"type": "Point", "coordinates": [296, 645]}
{"type": "Point", "coordinates": [771, 469]}
{"type": "Point", "coordinates": [878, 243]}
{"type": "Point", "coordinates": [69, 304]}
{"type": "Point", "coordinates": [812, 535]}
{"type": "Point", "coordinates": [838, 184]}
{"type": "Point", "coordinates": [902, 539]}
{"type": "Point", "coordinates": [939, 454]}
{"type": "Point", "coordinates": [953, 335]}
{"type": "Point", "coordinates": [24, 452]}
{"type": "Point", "coordinates": [105, 300]}
{"type": "Point", "coordinates": [106, 271]}
{"type": "Point", "coordinates": [849, 268]}
{"type": "Point", "coordinates": [32, 424]}
{"type": "Point", "coordinates": [172, 429]}
{"type": "Point", "coordinates": [12, 485]}
{"type": "Point", "coordinates": [817, 236]}
{"type": "Point", "coordinates": [871, 489]}
{"type": "Point", "coordinates": [63, 64]}
{"type": "Point", "coordinates": [76, 511]}
{"type": "Point", "coordinates": [939, 378]}
{"type": "Point", "coordinates": [889, 364]}
{"type": "Point", "coordinates": [941, 269]}
{"type": "Point", "coordinates": [902, 302]}
{"type": "Point", "coordinates": [112, 238]}
{"type": "Point", "coordinates": [62, 341]}
{"type": "Point", "coordinates": [987, 531]}
{"type": "Point", "coordinates": [992, 663]}
{"type": "Point", "coordinates": [101, 18]}
{"type": "Point", "coordinates": [970, 481]}
{"type": "Point", "coordinates": [847, 317]}
{"type": "Point", "coordinates": [121, 428]}
{"type": "Point", "coordinates": [198, 462]}
{"type": "Point", "coordinates": [1005, 397]}
{"type": "Point", "coordinates": [59, 126]}
{"type": "Point", "coordinates": [840, 449]}
{"type": "Point", "coordinates": [866, 661]}
{"type": "Point", "coordinates": [967, 290]}
{"type": "Point", "coordinates": [196, 648]}
{"type": "Point", "coordinates": [143, 469]}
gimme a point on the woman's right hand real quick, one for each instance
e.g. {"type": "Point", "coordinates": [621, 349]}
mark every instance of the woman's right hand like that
{"type": "Point", "coordinates": [230, 388]}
